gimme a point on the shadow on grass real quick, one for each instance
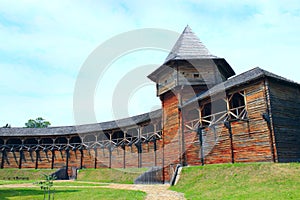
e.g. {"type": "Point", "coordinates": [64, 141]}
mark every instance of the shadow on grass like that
{"type": "Point", "coordinates": [27, 193]}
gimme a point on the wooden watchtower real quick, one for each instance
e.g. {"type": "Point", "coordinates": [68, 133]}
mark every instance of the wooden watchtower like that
{"type": "Point", "coordinates": [189, 69]}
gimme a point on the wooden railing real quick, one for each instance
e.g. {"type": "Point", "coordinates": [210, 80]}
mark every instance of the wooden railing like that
{"type": "Point", "coordinates": [238, 113]}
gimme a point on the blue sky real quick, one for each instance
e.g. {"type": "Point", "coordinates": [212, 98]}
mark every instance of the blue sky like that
{"type": "Point", "coordinates": [43, 45]}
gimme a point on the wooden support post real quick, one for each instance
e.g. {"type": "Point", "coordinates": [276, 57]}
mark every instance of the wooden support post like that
{"type": "Point", "coordinates": [231, 144]}
{"type": "Point", "coordinates": [124, 148]}
{"type": "Point", "coordinates": [228, 126]}
{"type": "Point", "coordinates": [110, 154]}
{"type": "Point", "coordinates": [154, 143]}
{"type": "Point", "coordinates": [67, 161]}
{"type": "Point", "coordinates": [3, 157]}
{"type": "Point", "coordinates": [52, 158]}
{"type": "Point", "coordinates": [95, 160]}
{"type": "Point", "coordinates": [139, 148]}
{"type": "Point", "coordinates": [200, 135]}
{"type": "Point", "coordinates": [21, 158]}
{"type": "Point", "coordinates": [110, 149]}
{"type": "Point", "coordinates": [199, 131]}
{"type": "Point", "coordinates": [155, 148]}
{"type": "Point", "coordinates": [36, 159]}
{"type": "Point", "coordinates": [124, 156]}
{"type": "Point", "coordinates": [81, 158]}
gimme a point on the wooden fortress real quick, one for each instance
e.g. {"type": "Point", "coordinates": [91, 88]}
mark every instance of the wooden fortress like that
{"type": "Point", "coordinates": [209, 115]}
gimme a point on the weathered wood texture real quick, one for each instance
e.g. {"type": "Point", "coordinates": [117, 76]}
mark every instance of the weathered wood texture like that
{"type": "Point", "coordinates": [11, 160]}
{"type": "Point", "coordinates": [285, 108]}
{"type": "Point", "coordinates": [171, 135]}
{"type": "Point", "coordinates": [250, 141]}
{"type": "Point", "coordinates": [247, 140]}
{"type": "Point", "coordinates": [92, 158]}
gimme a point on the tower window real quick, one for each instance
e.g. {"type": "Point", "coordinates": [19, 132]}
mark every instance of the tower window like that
{"type": "Point", "coordinates": [196, 75]}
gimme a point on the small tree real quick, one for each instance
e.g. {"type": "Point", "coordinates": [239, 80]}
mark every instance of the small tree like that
{"type": "Point", "coordinates": [46, 185]}
{"type": "Point", "coordinates": [37, 123]}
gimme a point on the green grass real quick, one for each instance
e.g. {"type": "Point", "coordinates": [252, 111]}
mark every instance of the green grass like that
{"type": "Point", "coordinates": [106, 175]}
{"type": "Point", "coordinates": [241, 181]}
{"type": "Point", "coordinates": [5, 182]}
{"type": "Point", "coordinates": [32, 174]}
{"type": "Point", "coordinates": [78, 183]}
{"type": "Point", "coordinates": [70, 193]}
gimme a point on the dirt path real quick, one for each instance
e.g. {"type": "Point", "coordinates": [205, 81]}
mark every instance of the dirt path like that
{"type": "Point", "coordinates": [154, 192]}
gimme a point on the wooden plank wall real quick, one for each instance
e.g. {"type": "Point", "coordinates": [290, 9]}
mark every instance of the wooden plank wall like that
{"type": "Point", "coordinates": [285, 108]}
{"type": "Point", "coordinates": [88, 159]}
{"type": "Point", "coordinates": [12, 160]}
{"type": "Point", "coordinates": [250, 142]}
{"type": "Point", "coordinates": [216, 145]}
{"type": "Point", "coordinates": [171, 139]}
{"type": "Point", "coordinates": [29, 159]}
{"type": "Point", "coordinates": [45, 159]}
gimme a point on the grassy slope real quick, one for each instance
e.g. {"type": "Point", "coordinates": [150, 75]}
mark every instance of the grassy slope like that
{"type": "Point", "coordinates": [110, 175]}
{"type": "Point", "coordinates": [64, 192]}
{"type": "Point", "coordinates": [241, 181]}
{"type": "Point", "coordinates": [32, 174]}
{"type": "Point", "coordinates": [70, 193]}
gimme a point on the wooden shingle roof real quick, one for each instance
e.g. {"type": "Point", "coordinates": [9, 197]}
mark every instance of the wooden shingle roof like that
{"type": "Point", "coordinates": [189, 46]}
{"type": "Point", "coordinates": [87, 128]}
{"type": "Point", "coordinates": [241, 79]}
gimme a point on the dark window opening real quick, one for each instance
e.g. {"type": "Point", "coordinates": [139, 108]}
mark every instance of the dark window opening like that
{"type": "Point", "coordinates": [237, 106]}
{"type": "Point", "coordinates": [206, 114]}
{"type": "Point", "coordinates": [75, 140]}
{"type": "Point", "coordinates": [31, 141]}
{"type": "Point", "coordinates": [132, 135]}
{"type": "Point", "coordinates": [46, 141]}
{"type": "Point", "coordinates": [61, 140]}
{"type": "Point", "coordinates": [14, 141]}
{"type": "Point", "coordinates": [237, 100]}
{"type": "Point", "coordinates": [117, 136]}
{"type": "Point", "coordinates": [196, 75]}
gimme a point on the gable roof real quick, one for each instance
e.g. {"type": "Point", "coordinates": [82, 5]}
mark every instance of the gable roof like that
{"type": "Point", "coordinates": [243, 78]}
{"type": "Point", "coordinates": [87, 128]}
{"type": "Point", "coordinates": [188, 46]}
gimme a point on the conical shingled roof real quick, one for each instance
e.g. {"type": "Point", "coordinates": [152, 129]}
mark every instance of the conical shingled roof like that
{"type": "Point", "coordinates": [189, 46]}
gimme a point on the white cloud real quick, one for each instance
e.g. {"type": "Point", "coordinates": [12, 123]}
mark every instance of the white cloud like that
{"type": "Point", "coordinates": [44, 43]}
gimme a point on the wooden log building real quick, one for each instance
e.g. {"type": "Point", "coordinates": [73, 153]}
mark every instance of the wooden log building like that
{"type": "Point", "coordinates": [209, 115]}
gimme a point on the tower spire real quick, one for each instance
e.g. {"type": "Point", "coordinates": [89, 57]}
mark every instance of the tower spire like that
{"type": "Point", "coordinates": [188, 46]}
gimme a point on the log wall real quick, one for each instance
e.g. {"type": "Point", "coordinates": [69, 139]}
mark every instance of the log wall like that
{"type": "Point", "coordinates": [171, 137]}
{"type": "Point", "coordinates": [252, 140]}
{"type": "Point", "coordinates": [243, 141]}
{"type": "Point", "coordinates": [285, 110]}
{"type": "Point", "coordinates": [89, 158]}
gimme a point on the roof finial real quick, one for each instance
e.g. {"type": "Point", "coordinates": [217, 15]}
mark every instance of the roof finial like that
{"type": "Point", "coordinates": [187, 29]}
